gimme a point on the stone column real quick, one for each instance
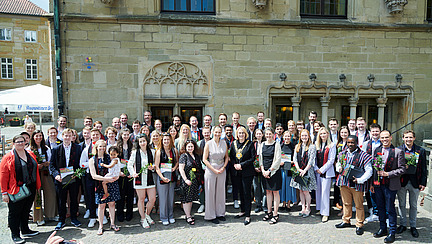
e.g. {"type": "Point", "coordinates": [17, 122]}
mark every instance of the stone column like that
{"type": "Point", "coordinates": [324, 109]}
{"type": "Point", "coordinates": [381, 105]}
{"type": "Point", "coordinates": [353, 107]}
{"type": "Point", "coordinates": [296, 108]}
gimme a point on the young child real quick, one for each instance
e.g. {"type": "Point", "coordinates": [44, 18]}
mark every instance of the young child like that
{"type": "Point", "coordinates": [113, 168]}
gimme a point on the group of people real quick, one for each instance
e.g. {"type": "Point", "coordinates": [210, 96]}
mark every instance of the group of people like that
{"type": "Point", "coordinates": [263, 164]}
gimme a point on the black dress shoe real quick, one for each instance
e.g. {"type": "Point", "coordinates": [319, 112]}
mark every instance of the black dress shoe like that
{"type": "Point", "coordinates": [390, 238]}
{"type": "Point", "coordinates": [343, 225]}
{"type": "Point", "coordinates": [246, 222]}
{"type": "Point", "coordinates": [221, 218]}
{"type": "Point", "coordinates": [380, 233]}
{"type": "Point", "coordinates": [282, 208]}
{"type": "Point", "coordinates": [359, 231]}
{"type": "Point", "coordinates": [215, 221]}
{"type": "Point", "coordinates": [401, 229]}
{"type": "Point", "coordinates": [414, 232]}
{"type": "Point", "coordinates": [18, 240]}
{"type": "Point", "coordinates": [239, 216]}
{"type": "Point", "coordinates": [29, 233]}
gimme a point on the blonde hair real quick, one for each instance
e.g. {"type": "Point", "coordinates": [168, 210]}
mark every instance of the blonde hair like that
{"type": "Point", "coordinates": [242, 129]}
{"type": "Point", "coordinates": [96, 145]}
{"type": "Point", "coordinates": [318, 140]}
{"type": "Point", "coordinates": [29, 123]}
{"type": "Point", "coordinates": [299, 144]}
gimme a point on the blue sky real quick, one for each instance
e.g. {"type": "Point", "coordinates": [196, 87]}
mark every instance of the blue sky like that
{"type": "Point", "coordinates": [42, 3]}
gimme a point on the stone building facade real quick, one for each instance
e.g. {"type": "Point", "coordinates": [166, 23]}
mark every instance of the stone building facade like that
{"type": "Point", "coordinates": [370, 59]}
{"type": "Point", "coordinates": [25, 45]}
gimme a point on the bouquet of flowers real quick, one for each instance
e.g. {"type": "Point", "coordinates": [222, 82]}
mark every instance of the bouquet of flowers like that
{"type": "Point", "coordinates": [141, 171]}
{"type": "Point", "coordinates": [339, 148]}
{"type": "Point", "coordinates": [78, 173]}
{"type": "Point", "coordinates": [378, 165]}
{"type": "Point", "coordinates": [304, 181]}
{"type": "Point", "coordinates": [342, 159]}
{"type": "Point", "coordinates": [412, 159]}
{"type": "Point", "coordinates": [256, 162]}
{"type": "Point", "coordinates": [40, 158]}
{"type": "Point", "coordinates": [38, 202]}
{"type": "Point", "coordinates": [192, 177]}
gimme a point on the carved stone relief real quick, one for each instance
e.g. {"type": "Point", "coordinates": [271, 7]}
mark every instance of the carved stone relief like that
{"type": "Point", "coordinates": [176, 80]}
{"type": "Point", "coordinates": [396, 6]}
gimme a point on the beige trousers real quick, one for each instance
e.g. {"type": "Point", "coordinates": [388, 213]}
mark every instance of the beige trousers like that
{"type": "Point", "coordinates": [348, 194]}
{"type": "Point", "coordinates": [47, 197]}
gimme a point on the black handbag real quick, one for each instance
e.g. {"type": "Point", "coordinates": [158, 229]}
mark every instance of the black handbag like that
{"type": "Point", "coordinates": [354, 171]}
{"type": "Point", "coordinates": [180, 189]}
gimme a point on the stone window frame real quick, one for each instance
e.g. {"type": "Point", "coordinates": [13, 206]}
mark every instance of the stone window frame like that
{"type": "Point", "coordinates": [188, 6]}
{"type": "Point", "coordinates": [31, 68]}
{"type": "Point", "coordinates": [6, 65]}
{"type": "Point", "coordinates": [30, 36]}
{"type": "Point", "coordinates": [6, 34]}
{"type": "Point", "coordinates": [321, 14]}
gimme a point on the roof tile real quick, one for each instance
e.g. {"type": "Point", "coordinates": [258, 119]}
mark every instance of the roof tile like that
{"type": "Point", "coordinates": [24, 7]}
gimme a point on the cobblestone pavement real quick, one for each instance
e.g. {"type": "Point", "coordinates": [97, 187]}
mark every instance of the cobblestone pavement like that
{"type": "Point", "coordinates": [290, 228]}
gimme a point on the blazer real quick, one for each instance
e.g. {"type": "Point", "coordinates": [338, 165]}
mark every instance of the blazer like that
{"type": "Point", "coordinates": [8, 175]}
{"type": "Point", "coordinates": [328, 168]}
{"type": "Point", "coordinates": [246, 161]}
{"type": "Point", "coordinates": [420, 177]}
{"type": "Point", "coordinates": [56, 162]}
{"type": "Point", "coordinates": [397, 168]}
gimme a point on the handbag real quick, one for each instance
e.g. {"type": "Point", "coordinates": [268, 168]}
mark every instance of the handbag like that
{"type": "Point", "coordinates": [23, 192]}
{"type": "Point", "coordinates": [180, 189]}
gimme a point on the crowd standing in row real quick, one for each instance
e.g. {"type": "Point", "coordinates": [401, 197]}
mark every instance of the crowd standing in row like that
{"type": "Point", "coordinates": [294, 166]}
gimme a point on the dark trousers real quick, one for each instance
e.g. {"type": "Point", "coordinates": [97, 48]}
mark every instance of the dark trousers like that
{"type": "Point", "coordinates": [19, 212]}
{"type": "Point", "coordinates": [126, 194]}
{"type": "Point", "coordinates": [236, 181]}
{"type": "Point", "coordinates": [336, 195]}
{"type": "Point", "coordinates": [245, 194]}
{"type": "Point", "coordinates": [385, 199]}
{"type": "Point", "coordinates": [90, 195]}
{"type": "Point", "coordinates": [72, 188]}
{"type": "Point", "coordinates": [371, 201]}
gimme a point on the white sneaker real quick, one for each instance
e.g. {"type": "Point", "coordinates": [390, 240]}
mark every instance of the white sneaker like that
{"type": "Point", "coordinates": [372, 218]}
{"type": "Point", "coordinates": [149, 219]}
{"type": "Point", "coordinates": [91, 223]}
{"type": "Point", "coordinates": [172, 221]}
{"type": "Point", "coordinates": [144, 224]}
{"type": "Point", "coordinates": [82, 198]}
{"type": "Point", "coordinates": [165, 222]}
{"type": "Point", "coordinates": [236, 204]}
{"type": "Point", "coordinates": [229, 189]}
{"type": "Point", "coordinates": [105, 220]}
{"type": "Point", "coordinates": [87, 214]}
{"type": "Point", "coordinates": [40, 223]}
{"type": "Point", "coordinates": [201, 208]}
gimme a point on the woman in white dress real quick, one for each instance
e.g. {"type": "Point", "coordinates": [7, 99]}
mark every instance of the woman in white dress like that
{"type": "Point", "coordinates": [142, 158]}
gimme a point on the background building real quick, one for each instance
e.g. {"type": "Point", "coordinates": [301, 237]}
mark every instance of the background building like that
{"type": "Point", "coordinates": [342, 58]}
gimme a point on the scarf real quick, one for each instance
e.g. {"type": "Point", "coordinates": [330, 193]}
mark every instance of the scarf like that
{"type": "Point", "coordinates": [138, 180]}
{"type": "Point", "coordinates": [302, 160]}
{"type": "Point", "coordinates": [30, 172]}
{"type": "Point", "coordinates": [322, 157]}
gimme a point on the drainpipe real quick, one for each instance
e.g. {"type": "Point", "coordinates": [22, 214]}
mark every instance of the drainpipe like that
{"type": "Point", "coordinates": [60, 102]}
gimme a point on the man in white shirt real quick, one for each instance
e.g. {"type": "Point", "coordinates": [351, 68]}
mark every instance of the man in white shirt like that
{"type": "Point", "coordinates": [61, 122]}
{"type": "Point", "coordinates": [352, 126]}
{"type": "Point", "coordinates": [333, 126]}
{"type": "Point", "coordinates": [362, 133]}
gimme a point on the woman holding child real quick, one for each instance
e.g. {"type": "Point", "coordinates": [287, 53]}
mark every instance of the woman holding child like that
{"type": "Point", "coordinates": [98, 172]}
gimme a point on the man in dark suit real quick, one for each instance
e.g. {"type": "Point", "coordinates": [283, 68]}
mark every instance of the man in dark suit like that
{"type": "Point", "coordinates": [196, 133]}
{"type": "Point", "coordinates": [52, 140]}
{"type": "Point", "coordinates": [66, 155]}
{"type": "Point", "coordinates": [386, 186]}
{"type": "Point", "coordinates": [312, 118]}
{"type": "Point", "coordinates": [148, 120]}
{"type": "Point", "coordinates": [412, 181]}
{"type": "Point", "coordinates": [260, 121]}
{"type": "Point", "coordinates": [333, 129]}
{"type": "Point", "coordinates": [123, 122]}
{"type": "Point", "coordinates": [88, 122]}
